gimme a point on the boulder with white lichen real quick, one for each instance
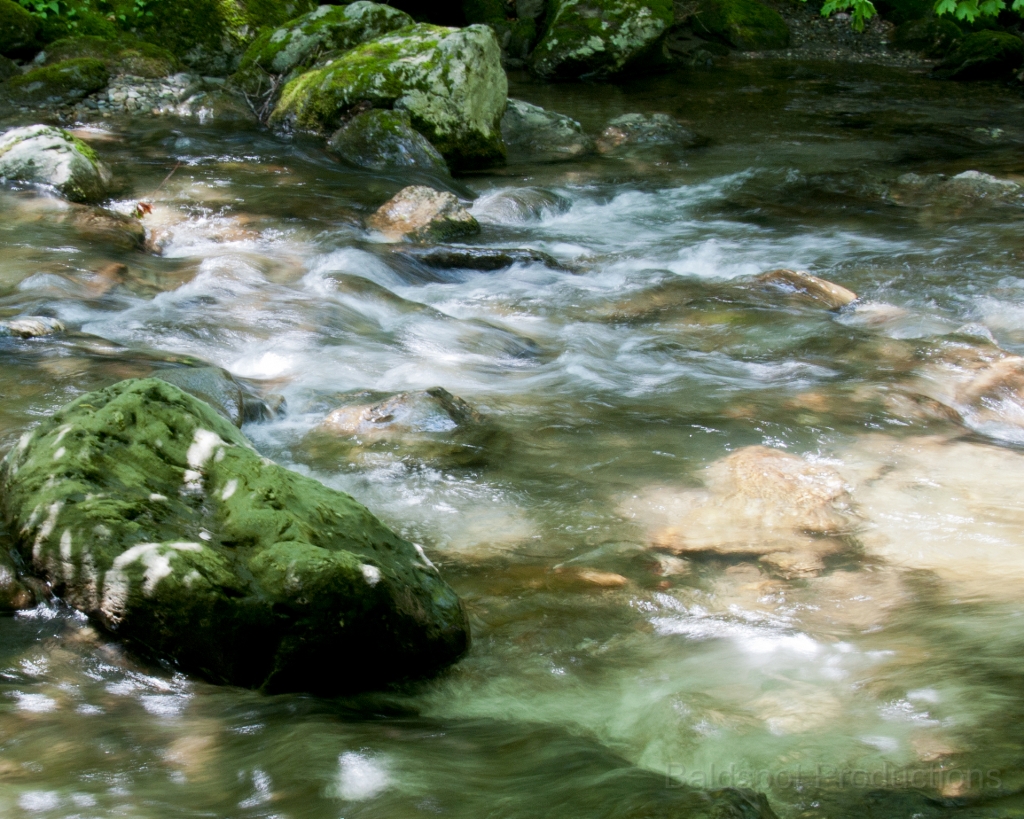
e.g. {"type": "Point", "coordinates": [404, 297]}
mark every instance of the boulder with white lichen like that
{"type": "Point", "coordinates": [151, 513]}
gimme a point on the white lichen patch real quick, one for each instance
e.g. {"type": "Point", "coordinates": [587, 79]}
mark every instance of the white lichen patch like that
{"type": "Point", "coordinates": [229, 489]}
{"type": "Point", "coordinates": [155, 558]}
{"type": "Point", "coordinates": [371, 574]}
{"type": "Point", "coordinates": [199, 453]}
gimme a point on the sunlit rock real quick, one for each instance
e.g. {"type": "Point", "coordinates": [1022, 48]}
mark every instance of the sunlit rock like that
{"type": "Point", "coordinates": [419, 213]}
{"type": "Point", "coordinates": [43, 155]}
{"type": "Point", "coordinates": [533, 134]}
{"type": "Point", "coordinates": [152, 514]}
{"type": "Point", "coordinates": [758, 501]}
{"type": "Point", "coordinates": [812, 288]}
{"type": "Point", "coordinates": [31, 327]}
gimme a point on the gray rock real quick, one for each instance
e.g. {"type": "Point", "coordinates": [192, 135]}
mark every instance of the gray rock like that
{"type": "Point", "coordinates": [518, 205]}
{"type": "Point", "coordinates": [956, 196]}
{"type": "Point", "coordinates": [386, 141]}
{"type": "Point", "coordinates": [632, 132]}
{"type": "Point", "coordinates": [8, 69]}
{"type": "Point", "coordinates": [43, 155]}
{"type": "Point", "coordinates": [220, 390]}
{"type": "Point", "coordinates": [533, 134]}
{"type": "Point", "coordinates": [419, 213]}
{"type": "Point", "coordinates": [31, 327]}
{"type": "Point", "coordinates": [107, 227]}
{"type": "Point", "coordinates": [487, 259]}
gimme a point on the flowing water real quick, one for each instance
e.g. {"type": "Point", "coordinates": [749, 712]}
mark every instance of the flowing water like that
{"type": "Point", "coordinates": [606, 667]}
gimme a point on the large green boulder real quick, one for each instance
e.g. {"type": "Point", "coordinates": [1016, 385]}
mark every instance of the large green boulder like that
{"type": "Point", "coordinates": [984, 55]}
{"type": "Point", "coordinates": [301, 42]}
{"type": "Point", "coordinates": [43, 155]}
{"type": "Point", "coordinates": [210, 36]}
{"type": "Point", "coordinates": [122, 56]}
{"type": "Point", "coordinates": [150, 512]}
{"type": "Point", "coordinates": [599, 38]}
{"type": "Point", "coordinates": [743, 24]}
{"type": "Point", "coordinates": [18, 29]}
{"type": "Point", "coordinates": [57, 84]}
{"type": "Point", "coordinates": [449, 81]}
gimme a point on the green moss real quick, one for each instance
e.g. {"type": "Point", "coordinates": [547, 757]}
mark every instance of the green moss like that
{"type": "Point", "coordinates": [154, 515]}
{"type": "Point", "coordinates": [985, 55]}
{"type": "Point", "coordinates": [423, 70]}
{"type": "Point", "coordinates": [124, 56]}
{"type": "Point", "coordinates": [599, 38]}
{"type": "Point", "coordinates": [932, 36]}
{"type": "Point", "coordinates": [59, 83]}
{"type": "Point", "coordinates": [18, 29]}
{"type": "Point", "coordinates": [743, 24]}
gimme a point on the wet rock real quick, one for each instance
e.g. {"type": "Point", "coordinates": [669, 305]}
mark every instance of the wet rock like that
{"type": "Point", "coordinates": [153, 515]}
{"type": "Point", "coordinates": [960, 194]}
{"type": "Point", "coordinates": [18, 29]}
{"type": "Point", "coordinates": [14, 595]}
{"type": "Point", "coordinates": [758, 501]}
{"type": "Point", "coordinates": [517, 205]}
{"type": "Point", "coordinates": [429, 424]}
{"type": "Point", "coordinates": [419, 213]}
{"type": "Point", "coordinates": [478, 258]}
{"type": "Point", "coordinates": [598, 38]}
{"type": "Point", "coordinates": [220, 390]}
{"type": "Point", "coordinates": [31, 327]}
{"type": "Point", "coordinates": [533, 134]}
{"type": "Point", "coordinates": [299, 43]}
{"type": "Point", "coordinates": [632, 131]}
{"type": "Point", "coordinates": [449, 81]}
{"type": "Point", "coordinates": [386, 141]}
{"type": "Point", "coordinates": [42, 155]}
{"type": "Point", "coordinates": [8, 69]}
{"type": "Point", "coordinates": [107, 227]}
{"type": "Point", "coordinates": [933, 37]}
{"type": "Point", "coordinates": [57, 84]}
{"type": "Point", "coordinates": [984, 55]}
{"type": "Point", "coordinates": [210, 36]}
{"type": "Point", "coordinates": [819, 291]}
{"type": "Point", "coordinates": [123, 57]}
{"type": "Point", "coordinates": [743, 24]}
{"type": "Point", "coordinates": [217, 105]}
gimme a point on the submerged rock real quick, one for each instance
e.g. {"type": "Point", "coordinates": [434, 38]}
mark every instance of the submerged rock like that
{"type": "Point", "coordinates": [419, 214]}
{"type": "Point", "coordinates": [984, 55]}
{"type": "Point", "coordinates": [57, 84]}
{"type": "Point", "coordinates": [758, 501]}
{"type": "Point", "coordinates": [458, 257]}
{"type": "Point", "coordinates": [533, 134]}
{"type": "Point", "coordinates": [298, 44]}
{"type": "Point", "coordinates": [449, 81]}
{"type": "Point", "coordinates": [31, 327]}
{"type": "Point", "coordinates": [957, 195]}
{"type": "Point", "coordinates": [517, 205]}
{"type": "Point", "coordinates": [43, 155]}
{"type": "Point", "coordinates": [386, 141]}
{"type": "Point", "coordinates": [18, 29]}
{"type": "Point", "coordinates": [638, 131]}
{"type": "Point", "coordinates": [744, 24]}
{"type": "Point", "coordinates": [819, 291]}
{"type": "Point", "coordinates": [598, 38]}
{"type": "Point", "coordinates": [153, 515]}
{"type": "Point", "coordinates": [217, 105]}
{"type": "Point", "coordinates": [123, 57]}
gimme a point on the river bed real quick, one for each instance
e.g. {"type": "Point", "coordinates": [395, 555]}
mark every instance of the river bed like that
{"type": "Point", "coordinates": [607, 665]}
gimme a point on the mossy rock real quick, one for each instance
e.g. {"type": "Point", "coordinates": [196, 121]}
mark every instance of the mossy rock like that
{"type": "Point", "coordinates": [85, 23]}
{"type": "Point", "coordinates": [136, 58]}
{"type": "Point", "coordinates": [743, 24]}
{"type": "Point", "coordinates": [43, 155]}
{"type": "Point", "coordinates": [899, 12]}
{"type": "Point", "coordinates": [152, 514]}
{"type": "Point", "coordinates": [599, 38]}
{"type": "Point", "coordinates": [301, 42]}
{"type": "Point", "coordinates": [18, 30]}
{"type": "Point", "coordinates": [533, 134]}
{"type": "Point", "coordinates": [382, 140]}
{"type": "Point", "coordinates": [8, 69]}
{"type": "Point", "coordinates": [449, 81]}
{"type": "Point", "coordinates": [210, 36]}
{"type": "Point", "coordinates": [58, 84]}
{"type": "Point", "coordinates": [932, 36]}
{"type": "Point", "coordinates": [984, 55]}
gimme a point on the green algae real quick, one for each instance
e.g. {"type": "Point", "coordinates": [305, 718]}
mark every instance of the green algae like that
{"type": "Point", "coordinates": [152, 513]}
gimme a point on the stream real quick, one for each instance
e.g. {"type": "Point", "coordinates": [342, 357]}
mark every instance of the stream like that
{"type": "Point", "coordinates": [606, 668]}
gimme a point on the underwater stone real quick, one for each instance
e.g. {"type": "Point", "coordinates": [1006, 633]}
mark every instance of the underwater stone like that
{"type": "Point", "coordinates": [152, 514]}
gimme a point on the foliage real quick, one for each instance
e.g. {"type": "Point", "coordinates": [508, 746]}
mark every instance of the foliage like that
{"type": "Point", "coordinates": [968, 10]}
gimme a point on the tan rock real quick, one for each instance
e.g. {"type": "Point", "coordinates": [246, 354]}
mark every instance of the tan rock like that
{"type": "Point", "coordinates": [31, 327]}
{"type": "Point", "coordinates": [826, 293]}
{"type": "Point", "coordinates": [419, 213]}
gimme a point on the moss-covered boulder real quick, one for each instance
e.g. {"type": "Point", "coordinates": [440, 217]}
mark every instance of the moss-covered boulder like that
{"type": "Point", "coordinates": [43, 155]}
{"type": "Point", "coordinates": [743, 24]}
{"type": "Point", "coordinates": [382, 140]}
{"type": "Point", "coordinates": [599, 38]}
{"type": "Point", "coordinates": [283, 51]}
{"type": "Point", "coordinates": [18, 29]}
{"type": "Point", "coordinates": [119, 56]}
{"type": "Point", "coordinates": [984, 55]}
{"type": "Point", "coordinates": [57, 84]}
{"type": "Point", "coordinates": [934, 37]}
{"type": "Point", "coordinates": [533, 134]}
{"type": "Point", "coordinates": [449, 81]}
{"type": "Point", "coordinates": [152, 514]}
{"type": "Point", "coordinates": [210, 36]}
